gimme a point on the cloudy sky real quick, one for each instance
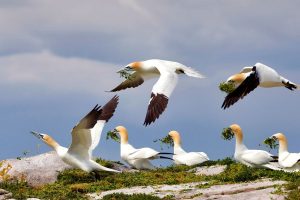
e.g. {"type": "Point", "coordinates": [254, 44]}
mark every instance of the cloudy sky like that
{"type": "Point", "coordinates": [57, 59]}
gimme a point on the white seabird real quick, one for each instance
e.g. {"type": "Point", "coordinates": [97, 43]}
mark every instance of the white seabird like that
{"type": "Point", "coordinates": [251, 77]}
{"type": "Point", "coordinates": [167, 71]}
{"type": "Point", "coordinates": [289, 161]}
{"type": "Point", "coordinates": [252, 158]}
{"type": "Point", "coordinates": [137, 158]}
{"type": "Point", "coordinates": [85, 137]}
{"type": "Point", "coordinates": [181, 157]}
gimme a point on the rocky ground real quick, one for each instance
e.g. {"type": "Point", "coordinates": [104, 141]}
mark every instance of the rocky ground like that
{"type": "Point", "coordinates": [44, 168]}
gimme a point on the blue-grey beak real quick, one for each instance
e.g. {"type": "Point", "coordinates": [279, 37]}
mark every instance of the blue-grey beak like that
{"type": "Point", "coordinates": [36, 134]}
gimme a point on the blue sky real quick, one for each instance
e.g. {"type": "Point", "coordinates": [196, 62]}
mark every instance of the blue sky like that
{"type": "Point", "coordinates": [58, 59]}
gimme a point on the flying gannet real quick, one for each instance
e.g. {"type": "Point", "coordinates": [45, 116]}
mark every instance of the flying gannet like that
{"type": "Point", "coordinates": [289, 161]}
{"type": "Point", "coordinates": [252, 158]}
{"type": "Point", "coordinates": [137, 158]}
{"type": "Point", "coordinates": [167, 71]}
{"type": "Point", "coordinates": [85, 137]}
{"type": "Point", "coordinates": [251, 77]}
{"type": "Point", "coordinates": [181, 157]}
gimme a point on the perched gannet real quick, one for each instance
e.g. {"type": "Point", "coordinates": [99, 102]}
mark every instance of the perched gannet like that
{"type": "Point", "coordinates": [181, 157]}
{"type": "Point", "coordinates": [167, 71]}
{"type": "Point", "coordinates": [137, 158]}
{"type": "Point", "coordinates": [251, 77]}
{"type": "Point", "coordinates": [289, 161]}
{"type": "Point", "coordinates": [85, 137]}
{"type": "Point", "coordinates": [251, 158]}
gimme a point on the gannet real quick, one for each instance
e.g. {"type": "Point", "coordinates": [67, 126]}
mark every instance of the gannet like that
{"type": "Point", "coordinates": [167, 71]}
{"type": "Point", "coordinates": [289, 161]}
{"type": "Point", "coordinates": [181, 157]}
{"type": "Point", "coordinates": [251, 158]}
{"type": "Point", "coordinates": [251, 77]}
{"type": "Point", "coordinates": [85, 137]}
{"type": "Point", "coordinates": [137, 158]}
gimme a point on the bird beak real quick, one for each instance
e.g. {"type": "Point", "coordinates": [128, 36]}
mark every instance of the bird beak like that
{"type": "Point", "coordinates": [36, 134]}
{"type": "Point", "coordinates": [273, 137]}
{"type": "Point", "coordinates": [127, 69]}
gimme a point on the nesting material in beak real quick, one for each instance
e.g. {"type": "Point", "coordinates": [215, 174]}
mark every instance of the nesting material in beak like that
{"type": "Point", "coordinates": [271, 142]}
{"type": "Point", "coordinates": [36, 134]}
{"type": "Point", "coordinates": [227, 86]}
{"type": "Point", "coordinates": [227, 134]}
{"type": "Point", "coordinates": [126, 72]}
{"type": "Point", "coordinates": [165, 141]}
{"type": "Point", "coordinates": [113, 134]}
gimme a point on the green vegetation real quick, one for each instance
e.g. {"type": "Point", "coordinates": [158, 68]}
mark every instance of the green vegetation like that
{"type": "Point", "coordinates": [227, 87]}
{"type": "Point", "coordinates": [126, 73]}
{"type": "Point", "coordinates": [271, 143]}
{"type": "Point", "coordinates": [113, 135]}
{"type": "Point", "coordinates": [165, 141]}
{"type": "Point", "coordinates": [227, 134]}
{"type": "Point", "coordinates": [74, 184]}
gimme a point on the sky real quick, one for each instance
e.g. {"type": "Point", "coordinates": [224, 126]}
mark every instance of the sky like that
{"type": "Point", "coordinates": [58, 59]}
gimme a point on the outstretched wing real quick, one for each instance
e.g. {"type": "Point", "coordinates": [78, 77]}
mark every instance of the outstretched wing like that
{"type": "Point", "coordinates": [135, 80]}
{"type": "Point", "coordinates": [248, 85]}
{"type": "Point", "coordinates": [86, 134]}
{"type": "Point", "coordinates": [161, 92]}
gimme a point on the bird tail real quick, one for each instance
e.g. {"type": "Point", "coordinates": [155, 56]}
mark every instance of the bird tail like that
{"type": "Point", "coordinates": [191, 72]}
{"type": "Point", "coordinates": [165, 153]}
{"type": "Point", "coordinates": [109, 108]}
{"type": "Point", "coordinates": [273, 166]}
{"type": "Point", "coordinates": [100, 167]}
{"type": "Point", "coordinates": [164, 157]}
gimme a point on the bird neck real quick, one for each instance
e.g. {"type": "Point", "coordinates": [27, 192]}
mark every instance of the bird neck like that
{"type": "Point", "coordinates": [124, 137]}
{"type": "Point", "coordinates": [178, 149]}
{"type": "Point", "coordinates": [239, 145]}
{"type": "Point", "coordinates": [52, 143]}
{"type": "Point", "coordinates": [283, 145]}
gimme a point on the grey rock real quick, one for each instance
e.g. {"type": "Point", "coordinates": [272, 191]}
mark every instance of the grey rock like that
{"type": "Point", "coordinates": [261, 189]}
{"type": "Point", "coordinates": [209, 171]}
{"type": "Point", "coordinates": [5, 194]}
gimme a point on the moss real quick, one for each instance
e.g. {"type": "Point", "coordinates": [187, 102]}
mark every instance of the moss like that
{"type": "Point", "coordinates": [227, 87]}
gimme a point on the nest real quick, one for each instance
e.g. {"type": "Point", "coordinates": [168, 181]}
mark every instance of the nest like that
{"type": "Point", "coordinates": [113, 135]}
{"type": "Point", "coordinates": [227, 87]}
{"type": "Point", "coordinates": [227, 134]}
{"type": "Point", "coordinates": [271, 143]}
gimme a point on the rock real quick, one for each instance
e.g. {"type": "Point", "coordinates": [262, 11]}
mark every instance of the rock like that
{"type": "Point", "coordinates": [261, 189]}
{"type": "Point", "coordinates": [209, 171]}
{"type": "Point", "coordinates": [37, 170]}
{"type": "Point", "coordinates": [5, 194]}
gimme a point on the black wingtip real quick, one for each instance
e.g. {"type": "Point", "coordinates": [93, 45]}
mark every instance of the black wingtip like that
{"type": "Point", "coordinates": [109, 108]}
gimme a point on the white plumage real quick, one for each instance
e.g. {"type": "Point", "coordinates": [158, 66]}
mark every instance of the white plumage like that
{"type": "Point", "coordinates": [250, 78]}
{"type": "Point", "coordinates": [289, 161]}
{"type": "Point", "coordinates": [85, 137]}
{"type": "Point", "coordinates": [181, 157]}
{"type": "Point", "coordinates": [167, 71]}
{"type": "Point", "coordinates": [137, 158]}
{"type": "Point", "coordinates": [252, 158]}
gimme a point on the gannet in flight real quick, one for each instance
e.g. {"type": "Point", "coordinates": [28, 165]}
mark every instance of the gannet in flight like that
{"type": "Point", "coordinates": [289, 161]}
{"type": "Point", "coordinates": [181, 157]}
{"type": "Point", "coordinates": [85, 137]}
{"type": "Point", "coordinates": [137, 158]}
{"type": "Point", "coordinates": [251, 158]}
{"type": "Point", "coordinates": [251, 77]}
{"type": "Point", "coordinates": [167, 71]}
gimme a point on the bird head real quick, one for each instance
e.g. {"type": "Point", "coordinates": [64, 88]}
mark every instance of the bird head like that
{"type": "Point", "coordinates": [122, 131]}
{"type": "Point", "coordinates": [278, 136]}
{"type": "Point", "coordinates": [175, 136]}
{"type": "Point", "coordinates": [45, 138]}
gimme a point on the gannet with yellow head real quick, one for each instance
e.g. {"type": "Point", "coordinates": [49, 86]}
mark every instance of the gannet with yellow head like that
{"type": "Point", "coordinates": [137, 158]}
{"type": "Point", "coordinates": [167, 71]}
{"type": "Point", "coordinates": [85, 137]}
{"type": "Point", "coordinates": [252, 77]}
{"type": "Point", "coordinates": [181, 157]}
{"type": "Point", "coordinates": [251, 158]}
{"type": "Point", "coordinates": [289, 161]}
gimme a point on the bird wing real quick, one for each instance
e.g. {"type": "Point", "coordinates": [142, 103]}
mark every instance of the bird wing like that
{"type": "Point", "coordinates": [246, 70]}
{"type": "Point", "coordinates": [161, 92]}
{"type": "Point", "coordinates": [190, 71]}
{"type": "Point", "coordinates": [256, 157]}
{"type": "Point", "coordinates": [191, 158]}
{"type": "Point", "coordinates": [135, 80]}
{"type": "Point", "coordinates": [248, 85]}
{"type": "Point", "coordinates": [143, 153]}
{"type": "Point", "coordinates": [86, 134]}
{"type": "Point", "coordinates": [107, 112]}
{"type": "Point", "coordinates": [290, 160]}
